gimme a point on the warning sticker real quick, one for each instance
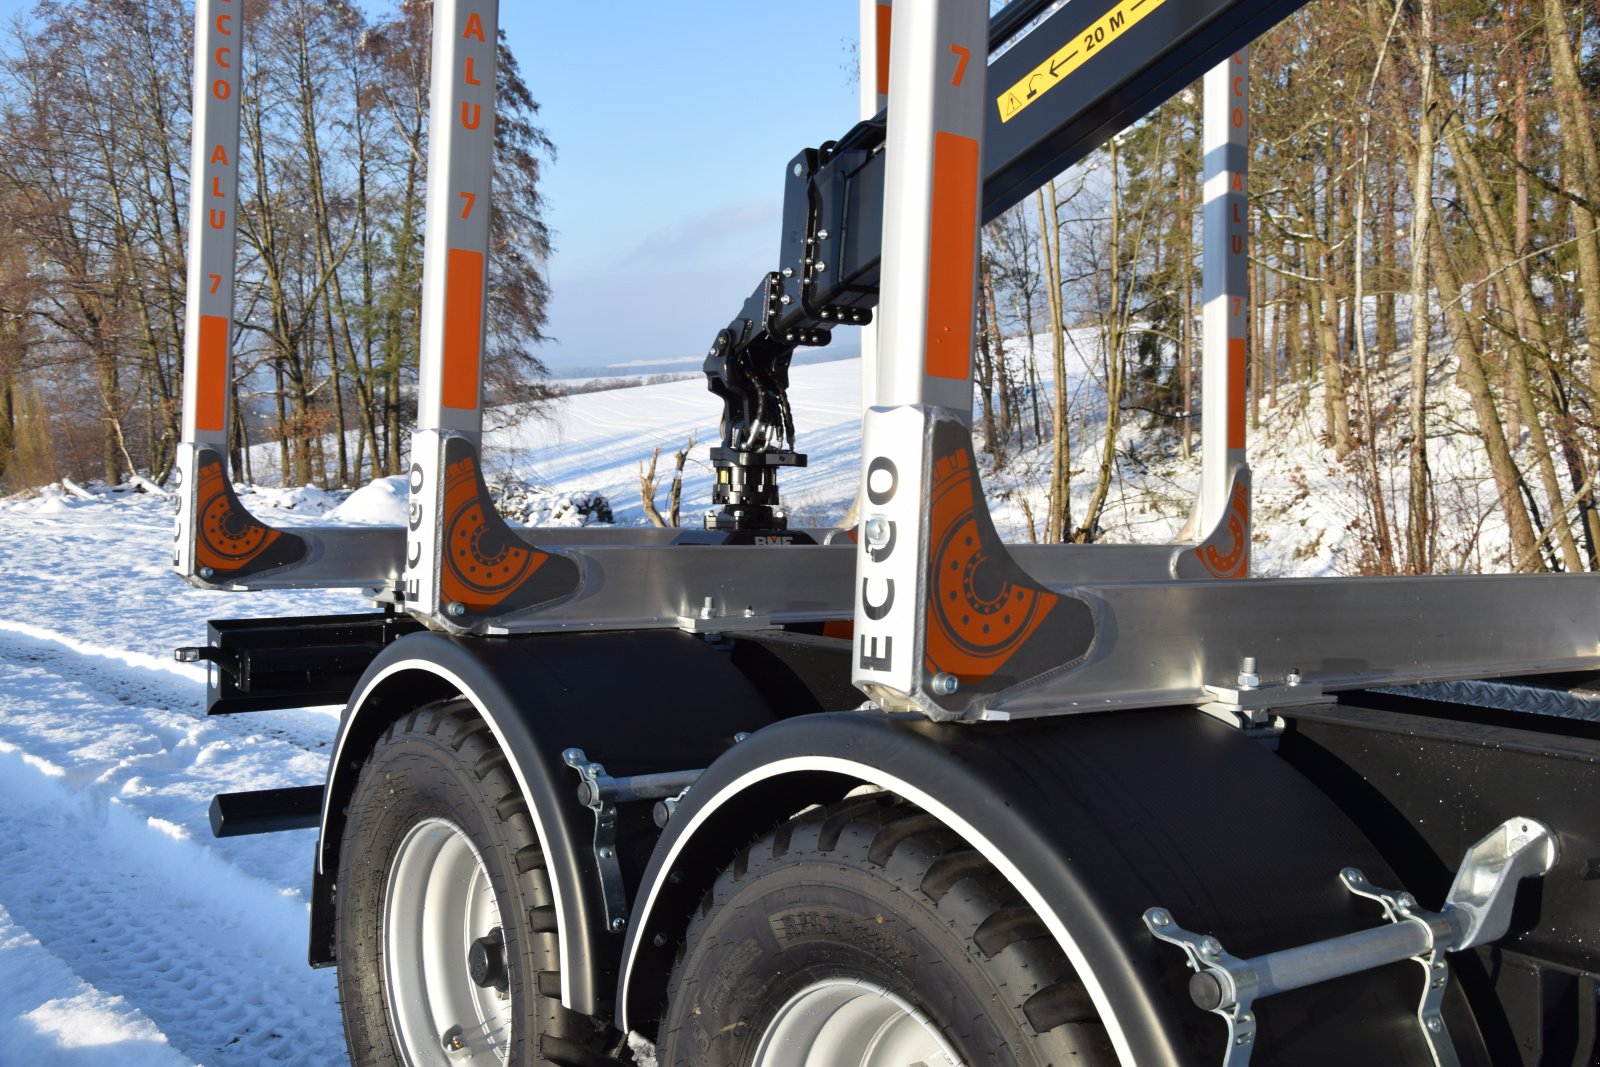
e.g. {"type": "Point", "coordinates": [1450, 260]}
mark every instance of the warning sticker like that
{"type": "Point", "coordinates": [1084, 46]}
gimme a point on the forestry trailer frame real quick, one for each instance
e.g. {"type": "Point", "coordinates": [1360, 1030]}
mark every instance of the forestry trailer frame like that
{"type": "Point", "coordinates": [594, 783]}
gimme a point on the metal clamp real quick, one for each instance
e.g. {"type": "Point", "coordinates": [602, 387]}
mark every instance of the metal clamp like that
{"type": "Point", "coordinates": [601, 793]}
{"type": "Point", "coordinates": [612, 890]}
{"type": "Point", "coordinates": [1476, 911]}
{"type": "Point", "coordinates": [1248, 704]}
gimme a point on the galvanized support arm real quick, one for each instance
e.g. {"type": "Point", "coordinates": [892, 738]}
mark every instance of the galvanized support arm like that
{"type": "Point", "coordinates": [1477, 910]}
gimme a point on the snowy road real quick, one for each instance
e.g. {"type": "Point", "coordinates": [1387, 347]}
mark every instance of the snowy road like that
{"type": "Point", "coordinates": [129, 936]}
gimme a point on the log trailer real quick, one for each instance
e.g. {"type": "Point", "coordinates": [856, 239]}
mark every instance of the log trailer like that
{"type": "Point", "coordinates": [897, 792]}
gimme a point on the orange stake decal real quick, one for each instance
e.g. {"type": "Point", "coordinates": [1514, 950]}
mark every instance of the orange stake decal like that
{"type": "Point", "coordinates": [885, 17]}
{"type": "Point", "coordinates": [1236, 395]}
{"type": "Point", "coordinates": [211, 386]}
{"type": "Point", "coordinates": [463, 327]}
{"type": "Point", "coordinates": [950, 269]}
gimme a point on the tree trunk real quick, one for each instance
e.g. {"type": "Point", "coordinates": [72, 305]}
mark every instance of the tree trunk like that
{"type": "Point", "coordinates": [1058, 520]}
{"type": "Point", "coordinates": [1419, 528]}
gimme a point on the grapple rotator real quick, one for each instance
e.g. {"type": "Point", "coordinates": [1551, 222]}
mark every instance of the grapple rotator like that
{"type": "Point", "coordinates": [747, 365]}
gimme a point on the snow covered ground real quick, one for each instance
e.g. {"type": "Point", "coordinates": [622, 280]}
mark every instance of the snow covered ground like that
{"type": "Point", "coordinates": [128, 936]}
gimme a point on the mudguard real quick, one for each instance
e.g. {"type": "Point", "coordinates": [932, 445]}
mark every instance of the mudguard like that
{"type": "Point", "coordinates": [1094, 818]}
{"type": "Point", "coordinates": [634, 701]}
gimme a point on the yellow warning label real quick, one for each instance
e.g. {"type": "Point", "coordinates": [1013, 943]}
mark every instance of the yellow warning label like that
{"type": "Point", "coordinates": [1084, 46]}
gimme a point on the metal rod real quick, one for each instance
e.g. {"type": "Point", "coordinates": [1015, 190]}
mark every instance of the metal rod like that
{"type": "Point", "coordinates": [637, 787]}
{"type": "Point", "coordinates": [1320, 961]}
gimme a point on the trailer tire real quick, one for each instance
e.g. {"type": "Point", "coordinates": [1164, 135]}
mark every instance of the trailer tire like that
{"type": "Point", "coordinates": [873, 907]}
{"type": "Point", "coordinates": [436, 819]}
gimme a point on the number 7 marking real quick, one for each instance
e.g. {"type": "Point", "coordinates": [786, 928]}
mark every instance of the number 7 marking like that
{"type": "Point", "coordinates": [216, 281]}
{"type": "Point", "coordinates": [962, 54]}
{"type": "Point", "coordinates": [471, 199]}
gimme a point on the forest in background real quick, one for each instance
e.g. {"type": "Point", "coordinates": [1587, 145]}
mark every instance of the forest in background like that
{"type": "Point", "coordinates": [1430, 154]}
{"type": "Point", "coordinates": [1437, 155]}
{"type": "Point", "coordinates": [94, 192]}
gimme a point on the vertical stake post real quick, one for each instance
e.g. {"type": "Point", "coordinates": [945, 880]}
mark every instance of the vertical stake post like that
{"type": "Point", "coordinates": [454, 290]}
{"type": "Point", "coordinates": [208, 310]}
{"type": "Point", "coordinates": [1225, 288]}
{"type": "Point", "coordinates": [926, 317]}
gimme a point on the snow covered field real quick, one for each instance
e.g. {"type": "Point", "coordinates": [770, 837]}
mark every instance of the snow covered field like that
{"type": "Point", "coordinates": [128, 936]}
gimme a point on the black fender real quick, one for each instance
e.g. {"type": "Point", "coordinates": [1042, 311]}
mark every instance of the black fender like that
{"type": "Point", "coordinates": [635, 701]}
{"type": "Point", "coordinates": [1094, 818]}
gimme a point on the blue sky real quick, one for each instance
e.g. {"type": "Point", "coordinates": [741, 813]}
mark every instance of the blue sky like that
{"type": "Point", "coordinates": [673, 122]}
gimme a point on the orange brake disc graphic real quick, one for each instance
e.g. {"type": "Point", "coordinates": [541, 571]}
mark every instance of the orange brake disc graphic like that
{"type": "Point", "coordinates": [231, 541]}
{"type": "Point", "coordinates": [486, 565]}
{"type": "Point", "coordinates": [989, 624]}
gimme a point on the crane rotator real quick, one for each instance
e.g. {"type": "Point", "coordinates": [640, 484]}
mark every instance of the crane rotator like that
{"type": "Point", "coordinates": [747, 365]}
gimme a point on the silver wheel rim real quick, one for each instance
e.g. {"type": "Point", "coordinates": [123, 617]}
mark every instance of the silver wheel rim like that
{"type": "Point", "coordinates": [438, 901]}
{"type": "Point", "coordinates": [848, 1022]}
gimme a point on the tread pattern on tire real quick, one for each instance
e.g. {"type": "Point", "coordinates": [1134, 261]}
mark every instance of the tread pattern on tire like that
{"type": "Point", "coordinates": [564, 1038]}
{"type": "Point", "coordinates": [912, 851]}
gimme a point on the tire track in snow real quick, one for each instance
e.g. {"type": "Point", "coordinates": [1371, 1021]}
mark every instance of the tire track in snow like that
{"type": "Point", "coordinates": [107, 766]}
{"type": "Point", "coordinates": [62, 1021]}
{"type": "Point", "coordinates": [213, 957]}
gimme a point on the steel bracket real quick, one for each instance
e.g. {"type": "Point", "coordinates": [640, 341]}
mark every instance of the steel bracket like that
{"type": "Point", "coordinates": [1253, 705]}
{"type": "Point", "coordinates": [1231, 990]}
{"type": "Point", "coordinates": [612, 890]}
{"type": "Point", "coordinates": [707, 621]}
{"type": "Point", "coordinates": [1477, 911]}
{"type": "Point", "coordinates": [1401, 907]}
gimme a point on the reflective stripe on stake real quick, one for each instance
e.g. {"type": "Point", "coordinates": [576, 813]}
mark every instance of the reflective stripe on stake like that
{"type": "Point", "coordinates": [952, 251]}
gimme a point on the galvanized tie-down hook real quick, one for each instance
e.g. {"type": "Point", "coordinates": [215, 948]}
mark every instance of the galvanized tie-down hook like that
{"type": "Point", "coordinates": [1476, 911]}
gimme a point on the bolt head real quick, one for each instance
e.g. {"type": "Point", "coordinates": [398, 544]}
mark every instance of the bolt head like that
{"type": "Point", "coordinates": [605, 853]}
{"type": "Point", "coordinates": [798, 170]}
{"type": "Point", "coordinates": [457, 608]}
{"type": "Point", "coordinates": [822, 235]}
{"type": "Point", "coordinates": [1210, 947]}
{"type": "Point", "coordinates": [659, 941]}
{"type": "Point", "coordinates": [944, 685]}
{"type": "Point", "coordinates": [618, 923]}
{"type": "Point", "coordinates": [207, 573]}
{"type": "Point", "coordinates": [1435, 1024]}
{"type": "Point", "coordinates": [877, 530]}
